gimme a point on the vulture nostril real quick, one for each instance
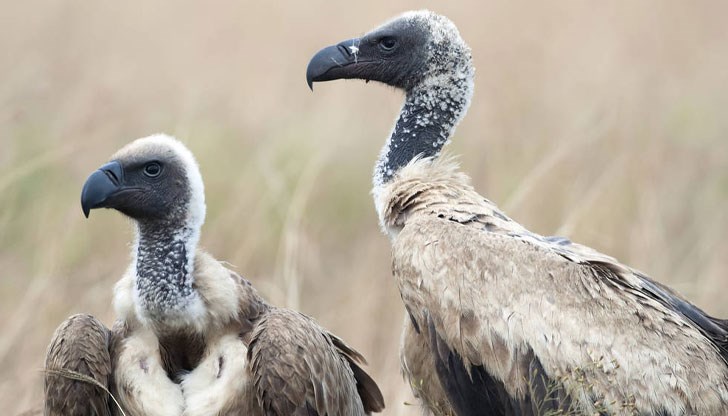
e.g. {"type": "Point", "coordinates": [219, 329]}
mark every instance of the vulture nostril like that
{"type": "Point", "coordinates": [344, 50]}
{"type": "Point", "coordinates": [112, 176]}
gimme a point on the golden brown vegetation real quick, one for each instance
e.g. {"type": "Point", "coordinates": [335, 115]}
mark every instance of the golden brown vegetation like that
{"type": "Point", "coordinates": [603, 121]}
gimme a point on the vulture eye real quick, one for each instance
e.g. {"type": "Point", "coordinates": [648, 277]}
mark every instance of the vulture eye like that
{"type": "Point", "coordinates": [387, 43]}
{"type": "Point", "coordinates": [152, 169]}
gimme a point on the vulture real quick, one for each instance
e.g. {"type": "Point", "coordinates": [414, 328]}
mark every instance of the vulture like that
{"type": "Point", "coordinates": [501, 320]}
{"type": "Point", "coordinates": [192, 337]}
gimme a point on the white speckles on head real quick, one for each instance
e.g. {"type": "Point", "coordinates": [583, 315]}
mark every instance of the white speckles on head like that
{"type": "Point", "coordinates": [441, 28]}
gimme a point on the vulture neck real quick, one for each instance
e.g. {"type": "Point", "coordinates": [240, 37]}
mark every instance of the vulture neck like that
{"type": "Point", "coordinates": [164, 260]}
{"type": "Point", "coordinates": [429, 116]}
{"type": "Point", "coordinates": [431, 111]}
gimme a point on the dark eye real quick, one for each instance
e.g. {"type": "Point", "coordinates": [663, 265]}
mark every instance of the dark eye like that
{"type": "Point", "coordinates": [152, 169]}
{"type": "Point", "coordinates": [387, 43]}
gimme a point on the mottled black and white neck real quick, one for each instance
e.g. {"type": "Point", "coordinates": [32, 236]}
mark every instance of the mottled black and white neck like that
{"type": "Point", "coordinates": [164, 290]}
{"type": "Point", "coordinates": [425, 124]}
{"type": "Point", "coordinates": [437, 97]}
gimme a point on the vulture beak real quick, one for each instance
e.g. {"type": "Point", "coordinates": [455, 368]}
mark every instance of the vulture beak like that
{"type": "Point", "coordinates": [101, 185]}
{"type": "Point", "coordinates": [331, 62]}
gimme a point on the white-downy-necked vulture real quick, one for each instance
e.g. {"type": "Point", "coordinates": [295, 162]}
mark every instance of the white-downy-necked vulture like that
{"type": "Point", "coordinates": [501, 320]}
{"type": "Point", "coordinates": [192, 338]}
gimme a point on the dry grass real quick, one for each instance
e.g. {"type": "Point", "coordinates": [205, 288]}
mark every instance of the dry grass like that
{"type": "Point", "coordinates": [608, 121]}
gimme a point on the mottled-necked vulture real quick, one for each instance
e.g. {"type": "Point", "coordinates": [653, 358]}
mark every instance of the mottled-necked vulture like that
{"type": "Point", "coordinates": [501, 320]}
{"type": "Point", "coordinates": [192, 337]}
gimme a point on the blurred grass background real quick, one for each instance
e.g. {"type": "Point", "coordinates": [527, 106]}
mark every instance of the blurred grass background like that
{"type": "Point", "coordinates": [603, 121]}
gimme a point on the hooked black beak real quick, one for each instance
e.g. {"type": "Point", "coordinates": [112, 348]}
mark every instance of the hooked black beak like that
{"type": "Point", "coordinates": [102, 184]}
{"type": "Point", "coordinates": [329, 63]}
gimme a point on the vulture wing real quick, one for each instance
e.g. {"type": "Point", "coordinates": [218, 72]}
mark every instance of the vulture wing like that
{"type": "Point", "coordinates": [637, 284]}
{"type": "Point", "coordinates": [79, 349]}
{"type": "Point", "coordinates": [525, 322]}
{"type": "Point", "coordinates": [300, 369]}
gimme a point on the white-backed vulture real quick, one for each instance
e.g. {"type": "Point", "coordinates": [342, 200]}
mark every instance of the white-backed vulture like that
{"type": "Point", "coordinates": [502, 320]}
{"type": "Point", "coordinates": [192, 337]}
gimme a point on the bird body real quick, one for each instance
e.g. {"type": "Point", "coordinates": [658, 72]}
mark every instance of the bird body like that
{"type": "Point", "coordinates": [192, 337]}
{"type": "Point", "coordinates": [501, 320]}
{"type": "Point", "coordinates": [512, 302]}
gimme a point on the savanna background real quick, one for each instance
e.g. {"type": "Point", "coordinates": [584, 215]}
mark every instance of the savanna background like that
{"type": "Point", "coordinates": [603, 121]}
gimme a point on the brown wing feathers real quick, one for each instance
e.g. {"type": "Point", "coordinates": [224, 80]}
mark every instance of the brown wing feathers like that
{"type": "Point", "coordinates": [80, 347]}
{"type": "Point", "coordinates": [299, 368]}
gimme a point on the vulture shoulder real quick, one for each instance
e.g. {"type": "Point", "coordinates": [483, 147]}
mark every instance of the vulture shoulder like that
{"type": "Point", "coordinates": [227, 299]}
{"type": "Point", "coordinates": [227, 296]}
{"type": "Point", "coordinates": [545, 317]}
{"type": "Point", "coordinates": [298, 368]}
{"type": "Point", "coordinates": [80, 347]}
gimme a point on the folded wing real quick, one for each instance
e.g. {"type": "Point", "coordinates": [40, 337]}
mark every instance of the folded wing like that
{"type": "Point", "coordinates": [78, 369]}
{"type": "Point", "coordinates": [300, 369]}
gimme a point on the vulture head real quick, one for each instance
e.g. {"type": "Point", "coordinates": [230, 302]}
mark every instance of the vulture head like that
{"type": "Point", "coordinates": [414, 49]}
{"type": "Point", "coordinates": [152, 179]}
{"type": "Point", "coordinates": [421, 53]}
{"type": "Point", "coordinates": [156, 182]}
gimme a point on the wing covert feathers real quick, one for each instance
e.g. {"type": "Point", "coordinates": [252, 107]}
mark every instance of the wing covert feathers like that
{"type": "Point", "coordinates": [299, 368]}
{"type": "Point", "coordinates": [79, 345]}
